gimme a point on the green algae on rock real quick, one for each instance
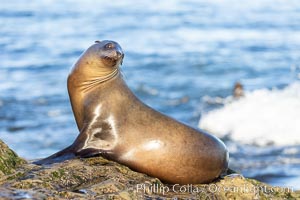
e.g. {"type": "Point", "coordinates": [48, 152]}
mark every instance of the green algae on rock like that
{"type": "Point", "coordinates": [9, 160]}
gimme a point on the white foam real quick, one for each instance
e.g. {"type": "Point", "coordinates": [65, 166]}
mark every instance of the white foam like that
{"type": "Point", "coordinates": [261, 117]}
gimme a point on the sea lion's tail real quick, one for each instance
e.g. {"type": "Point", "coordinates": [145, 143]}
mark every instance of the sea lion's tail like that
{"type": "Point", "coordinates": [60, 156]}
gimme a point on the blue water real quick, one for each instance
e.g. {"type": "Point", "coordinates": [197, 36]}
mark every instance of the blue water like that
{"type": "Point", "coordinates": [176, 53]}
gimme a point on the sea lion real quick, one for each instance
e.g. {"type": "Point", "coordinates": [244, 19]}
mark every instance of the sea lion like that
{"type": "Point", "coordinates": [115, 124]}
{"type": "Point", "coordinates": [238, 90]}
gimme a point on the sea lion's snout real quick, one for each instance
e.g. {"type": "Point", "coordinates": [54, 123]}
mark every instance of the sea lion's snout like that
{"type": "Point", "coordinates": [111, 52]}
{"type": "Point", "coordinates": [119, 54]}
{"type": "Point", "coordinates": [116, 48]}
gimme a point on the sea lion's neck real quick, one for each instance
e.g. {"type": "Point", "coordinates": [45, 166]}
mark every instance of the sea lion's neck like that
{"type": "Point", "coordinates": [80, 86]}
{"type": "Point", "coordinates": [92, 82]}
{"type": "Point", "coordinates": [88, 72]}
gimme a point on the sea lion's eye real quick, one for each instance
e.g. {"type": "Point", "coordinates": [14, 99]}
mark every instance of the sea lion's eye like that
{"type": "Point", "coordinates": [109, 46]}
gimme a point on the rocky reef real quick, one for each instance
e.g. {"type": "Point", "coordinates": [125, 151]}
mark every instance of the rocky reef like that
{"type": "Point", "coordinates": [9, 160]}
{"type": "Point", "coordinates": [98, 178]}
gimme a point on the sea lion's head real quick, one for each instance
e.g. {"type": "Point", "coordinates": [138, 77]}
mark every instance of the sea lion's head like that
{"type": "Point", "coordinates": [101, 61]}
{"type": "Point", "coordinates": [109, 52]}
{"type": "Point", "coordinates": [238, 90]}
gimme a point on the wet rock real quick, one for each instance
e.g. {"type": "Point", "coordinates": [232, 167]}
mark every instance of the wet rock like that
{"type": "Point", "coordinates": [98, 178]}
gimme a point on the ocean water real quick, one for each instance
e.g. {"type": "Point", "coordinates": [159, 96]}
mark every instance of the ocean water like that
{"type": "Point", "coordinates": [182, 57]}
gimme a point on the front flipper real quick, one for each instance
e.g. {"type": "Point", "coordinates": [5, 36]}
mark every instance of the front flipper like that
{"type": "Point", "coordinates": [96, 138]}
{"type": "Point", "coordinates": [60, 156]}
{"type": "Point", "coordinates": [90, 152]}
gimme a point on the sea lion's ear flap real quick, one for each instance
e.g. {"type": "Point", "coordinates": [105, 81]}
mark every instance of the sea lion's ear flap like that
{"type": "Point", "coordinates": [97, 41]}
